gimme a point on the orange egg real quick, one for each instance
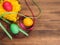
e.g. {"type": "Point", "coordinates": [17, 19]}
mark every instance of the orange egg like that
{"type": "Point", "coordinates": [28, 21]}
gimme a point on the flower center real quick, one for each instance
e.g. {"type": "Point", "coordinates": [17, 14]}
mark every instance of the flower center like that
{"type": "Point", "coordinates": [7, 6]}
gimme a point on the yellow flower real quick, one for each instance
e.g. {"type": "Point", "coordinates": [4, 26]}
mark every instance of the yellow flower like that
{"type": "Point", "coordinates": [16, 8]}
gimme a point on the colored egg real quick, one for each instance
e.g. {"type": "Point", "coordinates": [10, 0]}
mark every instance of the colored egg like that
{"type": "Point", "coordinates": [7, 6]}
{"type": "Point", "coordinates": [28, 21]}
{"type": "Point", "coordinates": [14, 28]}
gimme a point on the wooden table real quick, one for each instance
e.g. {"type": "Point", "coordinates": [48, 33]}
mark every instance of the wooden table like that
{"type": "Point", "coordinates": [47, 27]}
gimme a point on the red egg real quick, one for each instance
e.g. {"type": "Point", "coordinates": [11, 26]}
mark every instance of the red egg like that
{"type": "Point", "coordinates": [7, 6]}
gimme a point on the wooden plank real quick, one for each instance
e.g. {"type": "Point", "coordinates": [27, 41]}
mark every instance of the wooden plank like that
{"type": "Point", "coordinates": [47, 27]}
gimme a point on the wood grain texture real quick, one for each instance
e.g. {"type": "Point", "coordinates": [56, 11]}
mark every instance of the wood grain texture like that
{"type": "Point", "coordinates": [47, 27]}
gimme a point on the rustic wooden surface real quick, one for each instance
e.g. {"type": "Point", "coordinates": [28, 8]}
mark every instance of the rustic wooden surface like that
{"type": "Point", "coordinates": [47, 27]}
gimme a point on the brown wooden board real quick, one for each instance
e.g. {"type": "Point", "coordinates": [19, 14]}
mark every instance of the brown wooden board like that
{"type": "Point", "coordinates": [47, 27]}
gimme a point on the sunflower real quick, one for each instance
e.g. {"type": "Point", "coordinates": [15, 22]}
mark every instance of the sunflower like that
{"type": "Point", "coordinates": [16, 7]}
